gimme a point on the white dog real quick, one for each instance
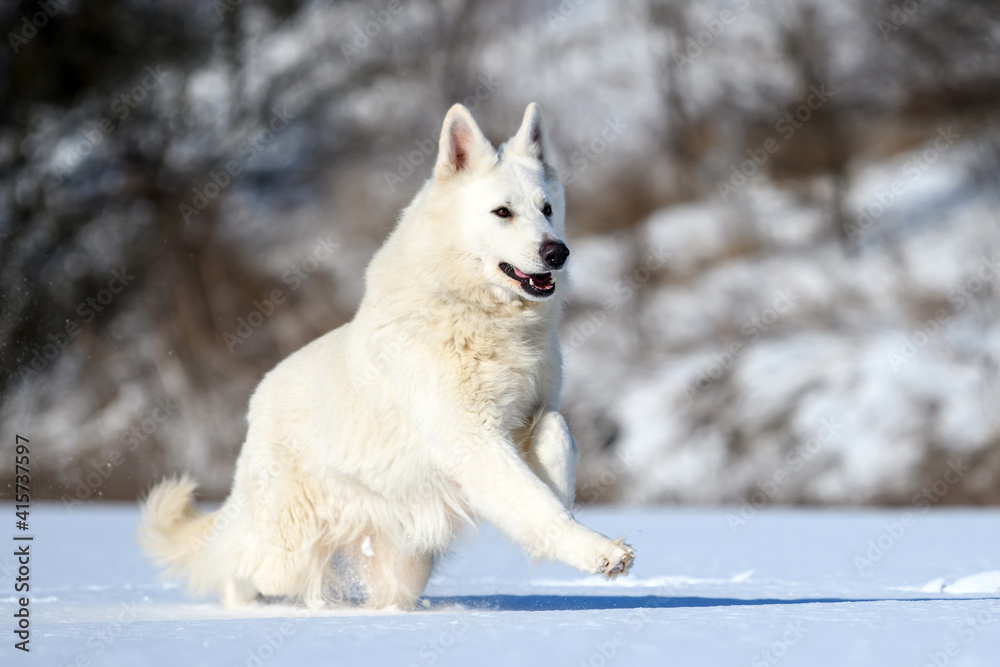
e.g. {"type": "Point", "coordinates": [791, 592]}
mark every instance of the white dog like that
{"type": "Point", "coordinates": [371, 447]}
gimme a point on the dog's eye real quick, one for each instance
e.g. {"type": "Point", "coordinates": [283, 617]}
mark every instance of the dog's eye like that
{"type": "Point", "coordinates": [502, 212]}
{"type": "Point", "coordinates": [547, 209]}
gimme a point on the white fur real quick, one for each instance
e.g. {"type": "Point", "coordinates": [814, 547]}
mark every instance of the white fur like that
{"type": "Point", "coordinates": [369, 448]}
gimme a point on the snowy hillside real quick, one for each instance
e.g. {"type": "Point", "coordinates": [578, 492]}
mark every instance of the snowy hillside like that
{"type": "Point", "coordinates": [782, 217]}
{"type": "Point", "coordinates": [733, 341]}
{"type": "Point", "coordinates": [709, 587]}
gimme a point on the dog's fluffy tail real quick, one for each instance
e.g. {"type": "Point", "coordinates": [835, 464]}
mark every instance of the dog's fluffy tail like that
{"type": "Point", "coordinates": [173, 532]}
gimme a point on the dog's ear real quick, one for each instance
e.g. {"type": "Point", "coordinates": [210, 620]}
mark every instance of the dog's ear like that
{"type": "Point", "coordinates": [532, 139]}
{"type": "Point", "coordinates": [462, 147]}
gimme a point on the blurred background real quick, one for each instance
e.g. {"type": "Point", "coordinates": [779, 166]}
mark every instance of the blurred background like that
{"type": "Point", "coordinates": [784, 220]}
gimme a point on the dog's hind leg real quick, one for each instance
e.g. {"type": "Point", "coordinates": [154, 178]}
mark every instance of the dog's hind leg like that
{"type": "Point", "coordinates": [279, 547]}
{"type": "Point", "coordinates": [392, 578]}
{"type": "Point", "coordinates": [552, 455]}
{"type": "Point", "coordinates": [237, 592]}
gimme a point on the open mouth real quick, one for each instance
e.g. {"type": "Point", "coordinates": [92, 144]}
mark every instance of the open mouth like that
{"type": "Point", "coordinates": [535, 284]}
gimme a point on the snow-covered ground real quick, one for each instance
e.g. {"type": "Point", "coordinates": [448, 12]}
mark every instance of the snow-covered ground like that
{"type": "Point", "coordinates": [709, 587]}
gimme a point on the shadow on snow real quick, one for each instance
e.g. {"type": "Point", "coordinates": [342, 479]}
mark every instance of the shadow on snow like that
{"type": "Point", "coordinates": [587, 602]}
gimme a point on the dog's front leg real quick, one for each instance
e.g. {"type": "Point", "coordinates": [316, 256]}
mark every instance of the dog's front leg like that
{"type": "Point", "coordinates": [499, 487]}
{"type": "Point", "coordinates": [552, 455]}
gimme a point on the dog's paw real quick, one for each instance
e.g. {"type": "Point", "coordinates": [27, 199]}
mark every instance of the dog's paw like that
{"type": "Point", "coordinates": [616, 559]}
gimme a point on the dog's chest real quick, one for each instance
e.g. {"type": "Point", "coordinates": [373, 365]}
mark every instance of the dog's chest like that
{"type": "Point", "coordinates": [507, 371]}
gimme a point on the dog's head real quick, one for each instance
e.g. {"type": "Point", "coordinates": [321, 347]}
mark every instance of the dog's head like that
{"type": "Point", "coordinates": [508, 205]}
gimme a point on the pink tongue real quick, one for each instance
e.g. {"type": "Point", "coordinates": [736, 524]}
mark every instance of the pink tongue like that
{"type": "Point", "coordinates": [519, 274]}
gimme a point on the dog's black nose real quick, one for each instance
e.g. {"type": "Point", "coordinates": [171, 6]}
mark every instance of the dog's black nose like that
{"type": "Point", "coordinates": [554, 253]}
